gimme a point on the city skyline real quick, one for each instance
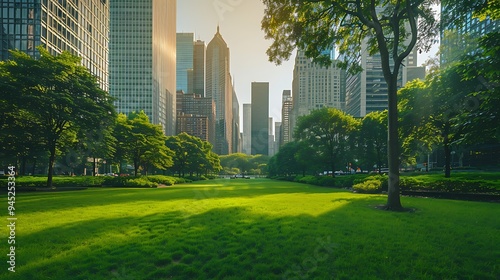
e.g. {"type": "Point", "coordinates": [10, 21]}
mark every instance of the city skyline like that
{"type": "Point", "coordinates": [239, 23]}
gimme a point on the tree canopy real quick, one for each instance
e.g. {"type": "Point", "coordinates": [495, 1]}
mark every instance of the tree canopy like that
{"type": "Point", "coordinates": [57, 95]}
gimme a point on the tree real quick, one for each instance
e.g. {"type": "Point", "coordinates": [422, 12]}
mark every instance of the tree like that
{"type": "Point", "coordinates": [481, 68]}
{"type": "Point", "coordinates": [191, 154]}
{"type": "Point", "coordinates": [59, 93]}
{"type": "Point", "coordinates": [328, 132]}
{"type": "Point", "coordinates": [391, 28]}
{"type": "Point", "coordinates": [145, 144]}
{"type": "Point", "coordinates": [417, 130]}
{"type": "Point", "coordinates": [372, 140]}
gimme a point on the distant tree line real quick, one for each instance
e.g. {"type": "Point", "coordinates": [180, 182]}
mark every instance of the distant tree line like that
{"type": "Point", "coordinates": [54, 115]}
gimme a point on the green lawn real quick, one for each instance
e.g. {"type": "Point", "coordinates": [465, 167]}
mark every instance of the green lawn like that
{"type": "Point", "coordinates": [248, 229]}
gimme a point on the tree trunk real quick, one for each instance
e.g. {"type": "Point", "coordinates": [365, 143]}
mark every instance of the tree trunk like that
{"type": "Point", "coordinates": [393, 198]}
{"type": "Point", "coordinates": [23, 166]}
{"type": "Point", "coordinates": [52, 159]}
{"type": "Point", "coordinates": [447, 155]}
{"type": "Point", "coordinates": [94, 167]}
{"type": "Point", "coordinates": [33, 167]}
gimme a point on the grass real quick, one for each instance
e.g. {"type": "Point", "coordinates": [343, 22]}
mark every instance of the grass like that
{"type": "Point", "coordinates": [249, 229]}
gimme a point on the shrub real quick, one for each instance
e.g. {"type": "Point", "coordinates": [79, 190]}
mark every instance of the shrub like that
{"type": "Point", "coordinates": [371, 185]}
{"type": "Point", "coordinates": [162, 179]}
{"type": "Point", "coordinates": [133, 182]}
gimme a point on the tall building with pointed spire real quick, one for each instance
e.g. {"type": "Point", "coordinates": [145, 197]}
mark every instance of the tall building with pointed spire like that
{"type": "Point", "coordinates": [142, 59]}
{"type": "Point", "coordinates": [218, 86]}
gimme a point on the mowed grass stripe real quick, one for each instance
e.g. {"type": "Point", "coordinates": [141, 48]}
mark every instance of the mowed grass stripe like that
{"type": "Point", "coordinates": [250, 229]}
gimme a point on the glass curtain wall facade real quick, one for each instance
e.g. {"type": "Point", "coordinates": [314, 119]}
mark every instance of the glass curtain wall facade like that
{"type": "Point", "coordinates": [219, 88]}
{"type": "Point", "coordinates": [143, 59]}
{"type": "Point", "coordinates": [184, 57]}
{"type": "Point", "coordinates": [78, 26]}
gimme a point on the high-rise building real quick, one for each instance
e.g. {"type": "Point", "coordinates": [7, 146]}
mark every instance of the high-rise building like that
{"type": "Point", "coordinates": [236, 124]}
{"type": "Point", "coordinates": [286, 111]}
{"type": "Point", "coordinates": [80, 27]}
{"type": "Point", "coordinates": [260, 118]}
{"type": "Point", "coordinates": [271, 138]}
{"type": "Point", "coordinates": [184, 60]}
{"type": "Point", "coordinates": [193, 107]}
{"type": "Point", "coordinates": [366, 91]}
{"type": "Point", "coordinates": [247, 129]}
{"type": "Point", "coordinates": [219, 88]}
{"type": "Point", "coordinates": [199, 68]}
{"type": "Point", "coordinates": [277, 136]}
{"type": "Point", "coordinates": [315, 86]}
{"type": "Point", "coordinates": [142, 59]}
{"type": "Point", "coordinates": [457, 39]}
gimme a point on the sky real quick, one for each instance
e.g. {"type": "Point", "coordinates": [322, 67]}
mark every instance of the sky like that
{"type": "Point", "coordinates": [240, 26]}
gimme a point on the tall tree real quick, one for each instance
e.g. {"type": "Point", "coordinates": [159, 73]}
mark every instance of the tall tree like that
{"type": "Point", "coordinates": [60, 93]}
{"type": "Point", "coordinates": [391, 28]}
{"type": "Point", "coordinates": [328, 131]}
{"type": "Point", "coordinates": [146, 144]}
{"type": "Point", "coordinates": [372, 139]}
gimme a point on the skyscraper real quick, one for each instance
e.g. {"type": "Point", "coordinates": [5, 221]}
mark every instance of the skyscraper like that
{"type": "Point", "coordinates": [286, 111]}
{"type": "Point", "coordinates": [80, 27]}
{"type": "Point", "coordinates": [191, 109]}
{"type": "Point", "coordinates": [142, 59]}
{"type": "Point", "coordinates": [236, 124]}
{"type": "Point", "coordinates": [315, 86]}
{"type": "Point", "coordinates": [277, 136]}
{"type": "Point", "coordinates": [366, 91]}
{"type": "Point", "coordinates": [260, 118]}
{"type": "Point", "coordinates": [219, 88]}
{"type": "Point", "coordinates": [247, 129]}
{"type": "Point", "coordinates": [199, 68]}
{"type": "Point", "coordinates": [456, 39]}
{"type": "Point", "coordinates": [184, 59]}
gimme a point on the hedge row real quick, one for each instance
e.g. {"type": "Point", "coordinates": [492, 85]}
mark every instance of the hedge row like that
{"type": "Point", "coordinates": [379, 183]}
{"type": "Point", "coordinates": [151, 181]}
{"type": "Point", "coordinates": [344, 182]}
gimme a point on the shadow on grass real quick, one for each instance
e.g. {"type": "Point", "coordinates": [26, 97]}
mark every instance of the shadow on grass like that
{"type": "Point", "coordinates": [350, 241]}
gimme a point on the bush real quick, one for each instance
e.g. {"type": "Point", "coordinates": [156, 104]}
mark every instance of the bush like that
{"type": "Point", "coordinates": [133, 182]}
{"type": "Point", "coordinates": [368, 186]}
{"type": "Point", "coordinates": [162, 179]}
{"type": "Point", "coordinates": [57, 181]}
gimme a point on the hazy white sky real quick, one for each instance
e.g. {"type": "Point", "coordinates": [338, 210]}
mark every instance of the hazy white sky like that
{"type": "Point", "coordinates": [239, 22]}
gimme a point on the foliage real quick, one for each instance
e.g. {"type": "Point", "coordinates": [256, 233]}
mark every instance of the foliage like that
{"type": "Point", "coordinates": [389, 28]}
{"type": "Point", "coordinates": [141, 142]}
{"type": "Point", "coordinates": [192, 155]}
{"type": "Point", "coordinates": [368, 186]}
{"type": "Point", "coordinates": [130, 181]}
{"type": "Point", "coordinates": [239, 163]}
{"type": "Point", "coordinates": [327, 131]}
{"type": "Point", "coordinates": [372, 140]}
{"type": "Point", "coordinates": [28, 182]}
{"type": "Point", "coordinates": [58, 98]}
